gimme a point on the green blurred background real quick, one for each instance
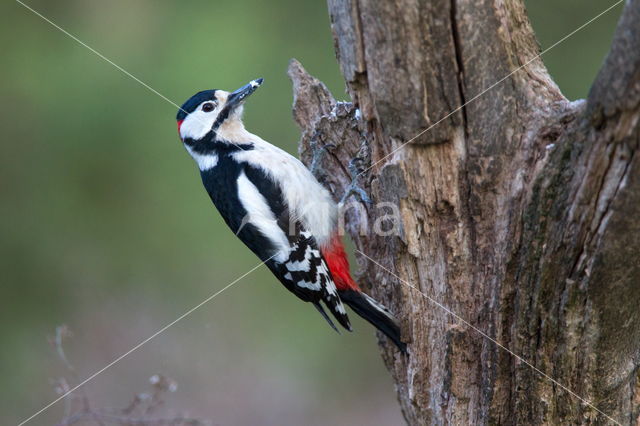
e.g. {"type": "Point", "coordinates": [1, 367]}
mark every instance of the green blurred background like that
{"type": "Point", "coordinates": [105, 227]}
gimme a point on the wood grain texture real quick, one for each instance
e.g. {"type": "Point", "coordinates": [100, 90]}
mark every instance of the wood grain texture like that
{"type": "Point", "coordinates": [520, 211]}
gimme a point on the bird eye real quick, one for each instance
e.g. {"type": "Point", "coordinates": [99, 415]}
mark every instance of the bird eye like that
{"type": "Point", "coordinates": [208, 107]}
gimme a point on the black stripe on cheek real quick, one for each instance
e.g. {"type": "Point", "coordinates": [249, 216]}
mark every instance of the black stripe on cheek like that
{"type": "Point", "coordinates": [224, 114]}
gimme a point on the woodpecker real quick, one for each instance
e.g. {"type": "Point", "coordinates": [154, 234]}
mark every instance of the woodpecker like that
{"type": "Point", "coordinates": [275, 205]}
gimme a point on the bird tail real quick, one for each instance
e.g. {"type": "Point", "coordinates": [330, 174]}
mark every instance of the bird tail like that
{"type": "Point", "coordinates": [375, 313]}
{"type": "Point", "coordinates": [325, 316]}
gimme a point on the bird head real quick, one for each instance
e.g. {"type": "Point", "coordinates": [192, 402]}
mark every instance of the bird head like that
{"type": "Point", "coordinates": [213, 112]}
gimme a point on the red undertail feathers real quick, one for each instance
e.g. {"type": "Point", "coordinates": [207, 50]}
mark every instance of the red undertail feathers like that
{"type": "Point", "coordinates": [338, 264]}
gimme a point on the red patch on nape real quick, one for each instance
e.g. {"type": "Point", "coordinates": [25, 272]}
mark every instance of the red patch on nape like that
{"type": "Point", "coordinates": [338, 264]}
{"type": "Point", "coordinates": [179, 124]}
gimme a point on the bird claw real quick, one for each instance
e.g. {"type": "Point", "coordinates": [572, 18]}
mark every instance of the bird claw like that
{"type": "Point", "coordinates": [317, 155]}
{"type": "Point", "coordinates": [354, 188]}
{"type": "Point", "coordinates": [355, 170]}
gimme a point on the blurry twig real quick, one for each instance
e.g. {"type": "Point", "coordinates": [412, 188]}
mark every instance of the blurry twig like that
{"type": "Point", "coordinates": [62, 387]}
{"type": "Point", "coordinates": [62, 333]}
{"type": "Point", "coordinates": [143, 410]}
{"type": "Point", "coordinates": [130, 421]}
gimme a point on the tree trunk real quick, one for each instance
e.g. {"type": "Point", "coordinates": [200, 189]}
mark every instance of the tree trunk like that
{"type": "Point", "coordinates": [519, 210]}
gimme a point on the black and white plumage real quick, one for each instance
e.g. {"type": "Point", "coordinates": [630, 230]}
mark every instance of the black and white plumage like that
{"type": "Point", "coordinates": [274, 204]}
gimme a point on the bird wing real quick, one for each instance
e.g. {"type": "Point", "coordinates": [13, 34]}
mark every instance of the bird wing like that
{"type": "Point", "coordinates": [294, 255]}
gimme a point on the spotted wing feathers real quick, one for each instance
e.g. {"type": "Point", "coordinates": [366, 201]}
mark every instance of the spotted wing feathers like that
{"type": "Point", "coordinates": [302, 268]}
{"type": "Point", "coordinates": [306, 274]}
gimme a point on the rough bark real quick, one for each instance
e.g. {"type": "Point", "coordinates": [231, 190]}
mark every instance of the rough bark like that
{"type": "Point", "coordinates": [519, 211]}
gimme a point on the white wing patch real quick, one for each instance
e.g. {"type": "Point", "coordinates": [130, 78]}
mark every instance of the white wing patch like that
{"type": "Point", "coordinates": [261, 216]}
{"type": "Point", "coordinates": [307, 200]}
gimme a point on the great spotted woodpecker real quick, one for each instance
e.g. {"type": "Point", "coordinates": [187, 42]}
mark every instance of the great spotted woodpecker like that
{"type": "Point", "coordinates": [275, 205]}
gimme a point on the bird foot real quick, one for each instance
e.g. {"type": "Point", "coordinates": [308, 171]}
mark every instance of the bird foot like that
{"type": "Point", "coordinates": [355, 170]}
{"type": "Point", "coordinates": [318, 152]}
{"type": "Point", "coordinates": [354, 189]}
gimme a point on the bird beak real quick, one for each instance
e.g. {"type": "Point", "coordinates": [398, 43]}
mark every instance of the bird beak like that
{"type": "Point", "coordinates": [236, 98]}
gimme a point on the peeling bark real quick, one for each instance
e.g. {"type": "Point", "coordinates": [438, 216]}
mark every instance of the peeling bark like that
{"type": "Point", "coordinates": [519, 211]}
